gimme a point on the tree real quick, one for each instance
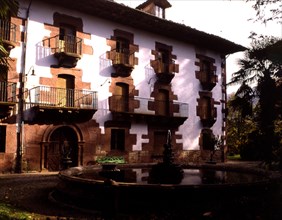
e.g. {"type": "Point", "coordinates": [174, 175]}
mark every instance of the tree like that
{"type": "Point", "coordinates": [268, 10]}
{"type": "Point", "coordinates": [263, 73]}
{"type": "Point", "coordinates": [240, 124]}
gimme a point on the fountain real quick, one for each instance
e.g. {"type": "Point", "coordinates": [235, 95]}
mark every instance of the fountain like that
{"type": "Point", "coordinates": [166, 172]}
{"type": "Point", "coordinates": [133, 188]}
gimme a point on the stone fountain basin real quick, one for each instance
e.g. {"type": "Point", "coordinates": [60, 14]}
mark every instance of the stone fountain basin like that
{"type": "Point", "coordinates": [96, 194]}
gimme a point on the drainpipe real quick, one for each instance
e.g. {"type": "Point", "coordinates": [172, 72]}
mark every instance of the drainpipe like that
{"type": "Point", "coordinates": [19, 151]}
{"type": "Point", "coordinates": [224, 108]}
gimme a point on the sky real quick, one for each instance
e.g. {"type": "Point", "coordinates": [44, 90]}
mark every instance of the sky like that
{"type": "Point", "coordinates": [229, 19]}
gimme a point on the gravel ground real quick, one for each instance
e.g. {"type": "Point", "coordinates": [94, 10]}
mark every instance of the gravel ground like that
{"type": "Point", "coordinates": [30, 193]}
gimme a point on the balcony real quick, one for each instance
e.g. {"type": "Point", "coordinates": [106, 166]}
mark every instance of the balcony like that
{"type": "Point", "coordinates": [67, 49]}
{"type": "Point", "coordinates": [165, 72]}
{"type": "Point", "coordinates": [7, 98]}
{"type": "Point", "coordinates": [123, 62]}
{"type": "Point", "coordinates": [51, 105]}
{"type": "Point", "coordinates": [137, 108]}
{"type": "Point", "coordinates": [8, 34]}
{"type": "Point", "coordinates": [208, 116]}
{"type": "Point", "coordinates": [208, 80]}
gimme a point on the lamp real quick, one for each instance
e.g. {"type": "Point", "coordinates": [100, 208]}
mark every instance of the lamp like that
{"type": "Point", "coordinates": [32, 71]}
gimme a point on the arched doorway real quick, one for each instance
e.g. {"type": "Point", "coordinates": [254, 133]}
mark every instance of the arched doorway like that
{"type": "Point", "coordinates": [63, 144]}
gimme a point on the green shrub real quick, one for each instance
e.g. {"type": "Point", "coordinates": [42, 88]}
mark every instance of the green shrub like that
{"type": "Point", "coordinates": [8, 212]}
{"type": "Point", "coordinates": [111, 159]}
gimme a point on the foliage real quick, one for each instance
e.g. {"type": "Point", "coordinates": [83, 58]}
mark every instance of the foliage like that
{"type": "Point", "coordinates": [267, 10]}
{"type": "Point", "coordinates": [234, 157]}
{"type": "Point", "coordinates": [251, 130]}
{"type": "Point", "coordinates": [9, 212]}
{"type": "Point", "coordinates": [239, 123]}
{"type": "Point", "coordinates": [8, 7]}
{"type": "Point", "coordinates": [111, 159]}
{"type": "Point", "coordinates": [256, 64]}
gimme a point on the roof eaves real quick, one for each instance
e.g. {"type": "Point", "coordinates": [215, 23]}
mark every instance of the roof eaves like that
{"type": "Point", "coordinates": [138, 19]}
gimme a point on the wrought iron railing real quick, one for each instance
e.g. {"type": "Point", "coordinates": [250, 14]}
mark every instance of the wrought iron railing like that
{"type": "Point", "coordinates": [124, 56]}
{"type": "Point", "coordinates": [7, 31]}
{"type": "Point", "coordinates": [123, 104]}
{"type": "Point", "coordinates": [8, 92]}
{"type": "Point", "coordinates": [64, 43]}
{"type": "Point", "coordinates": [63, 98]}
{"type": "Point", "coordinates": [208, 77]}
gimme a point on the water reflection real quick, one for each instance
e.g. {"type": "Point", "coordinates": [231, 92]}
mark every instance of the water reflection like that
{"type": "Point", "coordinates": [191, 176]}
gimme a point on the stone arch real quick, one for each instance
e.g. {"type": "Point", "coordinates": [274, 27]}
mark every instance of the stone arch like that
{"type": "Point", "coordinates": [53, 147]}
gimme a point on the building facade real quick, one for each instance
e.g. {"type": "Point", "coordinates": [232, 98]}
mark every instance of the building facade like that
{"type": "Point", "coordinates": [93, 78]}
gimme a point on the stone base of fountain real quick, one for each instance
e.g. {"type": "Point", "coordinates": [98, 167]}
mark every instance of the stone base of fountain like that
{"type": "Point", "coordinates": [83, 188]}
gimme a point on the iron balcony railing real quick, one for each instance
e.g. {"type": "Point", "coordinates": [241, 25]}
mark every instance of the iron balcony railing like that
{"type": "Point", "coordinates": [208, 77]}
{"type": "Point", "coordinates": [123, 104]}
{"type": "Point", "coordinates": [8, 92]}
{"type": "Point", "coordinates": [64, 43]}
{"type": "Point", "coordinates": [62, 98]}
{"type": "Point", "coordinates": [7, 31]}
{"type": "Point", "coordinates": [122, 56]}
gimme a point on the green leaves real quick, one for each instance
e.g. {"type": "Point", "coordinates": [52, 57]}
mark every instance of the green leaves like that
{"type": "Point", "coordinates": [111, 159]}
{"type": "Point", "coordinates": [8, 8]}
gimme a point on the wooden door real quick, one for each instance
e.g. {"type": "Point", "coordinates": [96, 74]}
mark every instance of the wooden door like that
{"type": "Point", "coordinates": [121, 97]}
{"type": "Point", "coordinates": [162, 103]}
{"type": "Point", "coordinates": [160, 138]}
{"type": "Point", "coordinates": [65, 90]}
{"type": "Point", "coordinates": [67, 39]}
{"type": "Point", "coordinates": [63, 143]}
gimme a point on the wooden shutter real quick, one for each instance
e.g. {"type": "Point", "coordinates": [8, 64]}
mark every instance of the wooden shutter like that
{"type": "Point", "coordinates": [155, 64]}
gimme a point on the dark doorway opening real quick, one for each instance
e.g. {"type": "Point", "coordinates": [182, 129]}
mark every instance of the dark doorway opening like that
{"type": "Point", "coordinates": [63, 143]}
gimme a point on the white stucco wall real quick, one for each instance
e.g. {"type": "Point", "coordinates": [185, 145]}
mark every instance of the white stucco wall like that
{"type": "Point", "coordinates": [184, 84]}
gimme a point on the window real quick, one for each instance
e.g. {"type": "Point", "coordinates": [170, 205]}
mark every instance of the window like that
{"type": "Point", "coordinates": [118, 139]}
{"type": "Point", "coordinates": [2, 139]}
{"type": "Point", "coordinates": [206, 110]}
{"type": "Point", "coordinates": [206, 73]}
{"type": "Point", "coordinates": [67, 39]}
{"type": "Point", "coordinates": [164, 63]}
{"type": "Point", "coordinates": [122, 53]}
{"type": "Point", "coordinates": [159, 12]}
{"type": "Point", "coordinates": [3, 85]}
{"type": "Point", "coordinates": [5, 26]}
{"type": "Point", "coordinates": [122, 49]}
{"type": "Point", "coordinates": [122, 45]}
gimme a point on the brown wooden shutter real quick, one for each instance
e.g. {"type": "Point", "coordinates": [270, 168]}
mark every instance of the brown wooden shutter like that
{"type": "Point", "coordinates": [155, 64]}
{"type": "Point", "coordinates": [173, 68]}
{"type": "Point", "coordinates": [133, 48]}
{"type": "Point", "coordinates": [112, 53]}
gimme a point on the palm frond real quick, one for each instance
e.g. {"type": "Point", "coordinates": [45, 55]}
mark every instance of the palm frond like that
{"type": "Point", "coordinates": [8, 7]}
